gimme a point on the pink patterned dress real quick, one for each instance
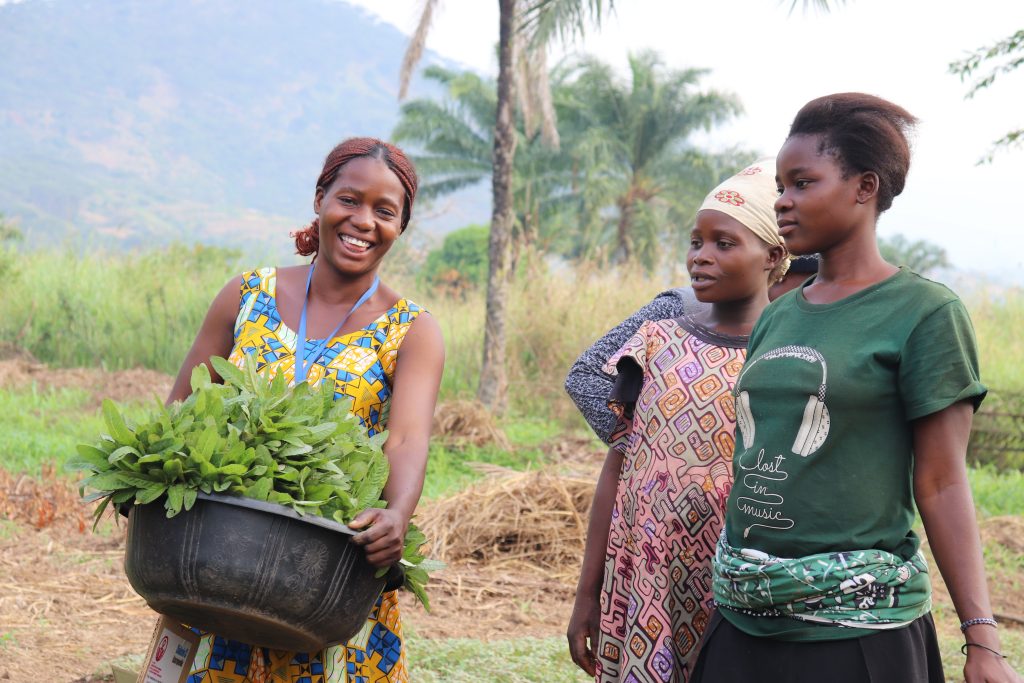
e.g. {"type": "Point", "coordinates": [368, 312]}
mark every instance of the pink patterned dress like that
{"type": "Point", "coordinates": [673, 395]}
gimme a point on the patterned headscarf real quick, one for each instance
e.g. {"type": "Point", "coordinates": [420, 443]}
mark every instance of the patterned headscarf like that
{"type": "Point", "coordinates": [749, 197]}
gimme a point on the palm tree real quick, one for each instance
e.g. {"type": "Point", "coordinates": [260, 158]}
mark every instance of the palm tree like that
{"type": "Point", "coordinates": [525, 28]}
{"type": "Point", "coordinates": [636, 147]}
{"type": "Point", "coordinates": [455, 136]}
{"type": "Point", "coordinates": [521, 23]}
{"type": "Point", "coordinates": [554, 189]}
{"type": "Point", "coordinates": [455, 139]}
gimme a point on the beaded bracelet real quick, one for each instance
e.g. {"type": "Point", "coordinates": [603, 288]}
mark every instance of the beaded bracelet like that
{"type": "Point", "coordinates": [963, 648]}
{"type": "Point", "coordinates": [977, 620]}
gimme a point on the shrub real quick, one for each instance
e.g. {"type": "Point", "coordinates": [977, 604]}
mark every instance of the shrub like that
{"type": "Point", "coordinates": [459, 265]}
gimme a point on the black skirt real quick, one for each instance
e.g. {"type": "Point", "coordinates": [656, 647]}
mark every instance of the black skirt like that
{"type": "Point", "coordinates": [905, 655]}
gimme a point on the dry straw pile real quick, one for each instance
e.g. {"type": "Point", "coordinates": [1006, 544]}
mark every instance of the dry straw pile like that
{"type": "Point", "coordinates": [516, 521]}
{"type": "Point", "coordinates": [466, 423]}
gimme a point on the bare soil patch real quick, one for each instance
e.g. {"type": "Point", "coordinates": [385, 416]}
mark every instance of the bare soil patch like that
{"type": "Point", "coordinates": [67, 611]}
{"type": "Point", "coordinates": [138, 384]}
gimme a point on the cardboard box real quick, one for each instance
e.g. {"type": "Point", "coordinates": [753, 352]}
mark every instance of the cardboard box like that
{"type": "Point", "coordinates": [170, 654]}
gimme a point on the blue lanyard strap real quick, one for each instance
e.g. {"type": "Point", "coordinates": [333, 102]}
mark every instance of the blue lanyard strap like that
{"type": "Point", "coordinates": [304, 363]}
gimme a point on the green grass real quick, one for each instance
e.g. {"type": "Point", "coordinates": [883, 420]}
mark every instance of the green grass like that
{"type": "Point", "coordinates": [8, 641]}
{"type": "Point", "coordinates": [518, 660]}
{"type": "Point", "coordinates": [113, 311]}
{"type": "Point", "coordinates": [143, 309]}
{"type": "Point", "coordinates": [524, 660]}
{"type": "Point", "coordinates": [1012, 641]}
{"type": "Point", "coordinates": [450, 469]}
{"type": "Point", "coordinates": [546, 660]}
{"type": "Point", "coordinates": [1004, 559]}
{"type": "Point", "coordinates": [44, 427]}
{"type": "Point", "coordinates": [531, 431]}
{"type": "Point", "coordinates": [998, 319]}
{"type": "Point", "coordinates": [8, 529]}
{"type": "Point", "coordinates": [997, 492]}
{"type": "Point", "coordinates": [71, 308]}
{"type": "Point", "coordinates": [456, 660]}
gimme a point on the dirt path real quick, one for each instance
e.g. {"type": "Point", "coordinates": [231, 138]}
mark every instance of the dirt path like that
{"type": "Point", "coordinates": [67, 611]}
{"type": "Point", "coordinates": [138, 384]}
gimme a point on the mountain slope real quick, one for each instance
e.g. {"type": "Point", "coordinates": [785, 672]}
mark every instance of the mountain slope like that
{"type": "Point", "coordinates": [131, 122]}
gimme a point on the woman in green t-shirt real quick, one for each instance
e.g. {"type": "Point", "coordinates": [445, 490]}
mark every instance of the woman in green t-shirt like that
{"type": "Point", "coordinates": [855, 403]}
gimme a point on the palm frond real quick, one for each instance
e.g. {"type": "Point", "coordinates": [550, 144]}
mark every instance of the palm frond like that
{"type": "Point", "coordinates": [439, 188]}
{"type": "Point", "coordinates": [544, 20]}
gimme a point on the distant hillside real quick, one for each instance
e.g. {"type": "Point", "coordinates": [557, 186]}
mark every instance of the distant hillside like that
{"type": "Point", "coordinates": [133, 122]}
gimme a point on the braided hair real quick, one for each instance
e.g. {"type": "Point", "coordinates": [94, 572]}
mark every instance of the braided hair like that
{"type": "Point", "coordinates": [307, 240]}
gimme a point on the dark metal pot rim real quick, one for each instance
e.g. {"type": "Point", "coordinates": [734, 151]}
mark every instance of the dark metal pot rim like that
{"type": "Point", "coordinates": [264, 506]}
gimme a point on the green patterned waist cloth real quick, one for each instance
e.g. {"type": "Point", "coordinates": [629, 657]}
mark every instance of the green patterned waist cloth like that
{"type": "Point", "coordinates": [870, 589]}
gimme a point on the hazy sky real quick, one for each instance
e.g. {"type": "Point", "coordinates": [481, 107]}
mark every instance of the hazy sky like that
{"type": "Point", "coordinates": [775, 62]}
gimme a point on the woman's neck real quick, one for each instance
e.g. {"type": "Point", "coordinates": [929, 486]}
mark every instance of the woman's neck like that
{"type": "Point", "coordinates": [848, 268]}
{"type": "Point", "coordinates": [335, 288]}
{"type": "Point", "coordinates": [735, 317]}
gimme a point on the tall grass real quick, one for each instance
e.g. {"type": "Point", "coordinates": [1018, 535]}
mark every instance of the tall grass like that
{"type": "Point", "coordinates": [113, 311]}
{"type": "Point", "coordinates": [999, 322]}
{"type": "Point", "coordinates": [554, 314]}
{"type": "Point", "coordinates": [143, 309]}
{"type": "Point", "coordinates": [129, 310]}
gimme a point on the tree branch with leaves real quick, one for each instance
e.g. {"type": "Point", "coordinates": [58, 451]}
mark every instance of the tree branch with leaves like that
{"type": "Point", "coordinates": [1001, 58]}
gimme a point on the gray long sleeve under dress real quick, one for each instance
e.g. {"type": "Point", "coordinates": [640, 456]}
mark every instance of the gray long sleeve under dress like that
{"type": "Point", "coordinates": [588, 385]}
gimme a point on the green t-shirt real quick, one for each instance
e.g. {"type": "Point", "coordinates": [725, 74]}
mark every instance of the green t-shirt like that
{"type": "Point", "coordinates": [823, 458]}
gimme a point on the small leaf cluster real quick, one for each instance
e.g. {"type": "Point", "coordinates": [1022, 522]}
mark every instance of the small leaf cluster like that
{"type": "Point", "coordinates": [250, 436]}
{"type": "Point", "coordinates": [416, 566]}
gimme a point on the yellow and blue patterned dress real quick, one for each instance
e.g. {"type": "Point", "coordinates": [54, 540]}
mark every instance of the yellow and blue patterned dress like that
{"type": "Point", "coordinates": [361, 365]}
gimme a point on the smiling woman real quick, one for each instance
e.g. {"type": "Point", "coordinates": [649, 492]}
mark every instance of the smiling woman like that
{"type": "Point", "coordinates": [334, 321]}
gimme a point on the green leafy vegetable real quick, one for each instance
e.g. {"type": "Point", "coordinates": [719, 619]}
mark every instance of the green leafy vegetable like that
{"type": "Point", "coordinates": [251, 437]}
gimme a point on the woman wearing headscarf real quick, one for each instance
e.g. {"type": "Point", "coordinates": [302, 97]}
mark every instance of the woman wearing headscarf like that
{"type": "Point", "coordinates": [644, 594]}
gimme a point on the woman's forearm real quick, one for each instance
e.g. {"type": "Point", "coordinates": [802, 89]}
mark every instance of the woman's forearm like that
{"type": "Point", "coordinates": [943, 496]}
{"type": "Point", "coordinates": [592, 571]}
{"type": "Point", "coordinates": [952, 531]}
{"type": "Point", "coordinates": [405, 482]}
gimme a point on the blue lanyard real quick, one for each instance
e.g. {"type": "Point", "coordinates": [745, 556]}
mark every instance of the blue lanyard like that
{"type": "Point", "coordinates": [302, 363]}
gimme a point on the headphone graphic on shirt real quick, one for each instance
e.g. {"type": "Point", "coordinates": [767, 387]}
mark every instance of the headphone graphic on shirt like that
{"type": "Point", "coordinates": [815, 424]}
